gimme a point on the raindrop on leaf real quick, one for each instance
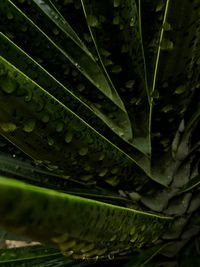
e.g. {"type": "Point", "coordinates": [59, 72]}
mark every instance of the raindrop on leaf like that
{"type": "Point", "coordinates": [8, 86]}
{"type": "Point", "coordinates": [29, 126]}
{"type": "Point", "coordinates": [8, 126]}
{"type": "Point", "coordinates": [92, 21]}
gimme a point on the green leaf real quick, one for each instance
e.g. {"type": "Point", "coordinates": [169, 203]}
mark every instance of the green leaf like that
{"type": "Point", "coordinates": [87, 153]}
{"type": "Point", "coordinates": [48, 216]}
{"type": "Point", "coordinates": [72, 58]}
{"type": "Point", "coordinates": [126, 71]}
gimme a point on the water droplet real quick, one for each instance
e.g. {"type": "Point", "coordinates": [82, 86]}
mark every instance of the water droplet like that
{"type": "Point", "coordinates": [132, 22]}
{"type": "Point", "coordinates": [68, 137]}
{"type": "Point", "coordinates": [129, 84]}
{"type": "Point", "coordinates": [166, 45]}
{"type": "Point", "coordinates": [167, 108]}
{"type": "Point", "coordinates": [29, 126]}
{"type": "Point", "coordinates": [87, 248]}
{"type": "Point", "coordinates": [40, 105]}
{"type": "Point", "coordinates": [180, 89]}
{"type": "Point", "coordinates": [8, 127]}
{"type": "Point", "coordinates": [83, 151]}
{"type": "Point", "coordinates": [133, 230]}
{"type": "Point", "coordinates": [56, 31]}
{"type": "Point", "coordinates": [116, 20]}
{"type": "Point", "coordinates": [67, 253]}
{"type": "Point", "coordinates": [134, 196]}
{"type": "Point", "coordinates": [87, 168]}
{"type": "Point", "coordinates": [86, 177]}
{"type": "Point", "coordinates": [113, 238]}
{"type": "Point", "coordinates": [45, 118]}
{"type": "Point", "coordinates": [115, 170]}
{"type": "Point", "coordinates": [111, 256]}
{"type": "Point", "coordinates": [10, 16]}
{"type": "Point", "coordinates": [160, 5]}
{"type": "Point", "coordinates": [107, 62]}
{"type": "Point", "coordinates": [8, 86]}
{"type": "Point", "coordinates": [133, 238]}
{"type": "Point", "coordinates": [24, 28]}
{"type": "Point", "coordinates": [78, 257]}
{"type": "Point", "coordinates": [28, 97]}
{"type": "Point", "coordinates": [81, 87]}
{"type": "Point", "coordinates": [123, 237]}
{"type": "Point", "coordinates": [101, 157]}
{"type": "Point", "coordinates": [167, 26]}
{"type": "Point", "coordinates": [104, 52]}
{"type": "Point", "coordinates": [52, 167]}
{"type": "Point", "coordinates": [103, 172]}
{"type": "Point", "coordinates": [92, 21]}
{"type": "Point", "coordinates": [113, 181]}
{"type": "Point", "coordinates": [116, 3]}
{"type": "Point", "coordinates": [67, 245]}
{"type": "Point", "coordinates": [87, 37]}
{"type": "Point", "coordinates": [61, 238]}
{"type": "Point", "coordinates": [50, 141]}
{"type": "Point", "coordinates": [59, 127]}
{"type": "Point", "coordinates": [116, 69]}
{"type": "Point", "coordinates": [91, 254]}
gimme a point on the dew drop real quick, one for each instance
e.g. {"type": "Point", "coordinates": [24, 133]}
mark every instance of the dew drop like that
{"type": "Point", "coordinates": [8, 127]}
{"type": "Point", "coordinates": [29, 126]}
{"type": "Point", "coordinates": [81, 87]}
{"type": "Point", "coordinates": [45, 118]}
{"type": "Point", "coordinates": [113, 238]}
{"type": "Point", "coordinates": [59, 127]}
{"type": "Point", "coordinates": [87, 248]}
{"type": "Point", "coordinates": [116, 69]}
{"type": "Point", "coordinates": [8, 86]}
{"type": "Point", "coordinates": [103, 172]}
{"type": "Point", "coordinates": [167, 26]}
{"type": "Point", "coordinates": [68, 137]}
{"type": "Point", "coordinates": [87, 168]}
{"type": "Point", "coordinates": [166, 45]}
{"type": "Point", "coordinates": [83, 151]}
{"type": "Point", "coordinates": [167, 108]}
{"type": "Point", "coordinates": [77, 256]}
{"type": "Point", "coordinates": [132, 22]}
{"type": "Point", "coordinates": [10, 16]}
{"type": "Point", "coordinates": [52, 167]}
{"type": "Point", "coordinates": [28, 97]}
{"type": "Point", "coordinates": [180, 89]}
{"type": "Point", "coordinates": [56, 31]}
{"type": "Point", "coordinates": [129, 84]}
{"type": "Point", "coordinates": [67, 253]}
{"type": "Point", "coordinates": [123, 237]}
{"type": "Point", "coordinates": [113, 181]}
{"type": "Point", "coordinates": [116, 3]}
{"type": "Point", "coordinates": [101, 157]}
{"type": "Point", "coordinates": [111, 256]}
{"type": "Point", "coordinates": [92, 21]}
{"type": "Point", "coordinates": [61, 238]}
{"type": "Point", "coordinates": [134, 238]}
{"type": "Point", "coordinates": [133, 229]}
{"type": "Point", "coordinates": [115, 170]}
{"type": "Point", "coordinates": [86, 177]}
{"type": "Point", "coordinates": [50, 141]}
{"type": "Point", "coordinates": [160, 5]}
{"type": "Point", "coordinates": [116, 20]}
{"type": "Point", "coordinates": [68, 245]}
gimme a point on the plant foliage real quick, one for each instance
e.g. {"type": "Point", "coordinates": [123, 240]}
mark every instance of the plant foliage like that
{"type": "Point", "coordinates": [99, 126]}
